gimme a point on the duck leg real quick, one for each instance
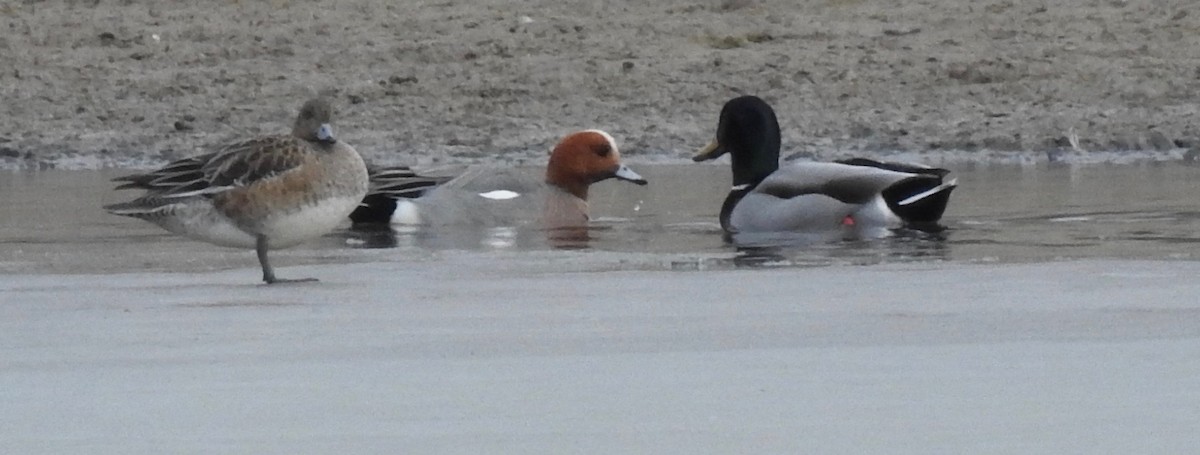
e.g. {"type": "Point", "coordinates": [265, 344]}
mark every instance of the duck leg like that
{"type": "Point", "coordinates": [260, 246]}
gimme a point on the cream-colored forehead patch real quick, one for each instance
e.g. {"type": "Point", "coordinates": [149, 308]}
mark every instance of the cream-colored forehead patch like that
{"type": "Point", "coordinates": [611, 142]}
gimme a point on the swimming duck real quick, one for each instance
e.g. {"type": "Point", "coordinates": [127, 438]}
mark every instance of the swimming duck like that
{"type": "Point", "coordinates": [263, 193]}
{"type": "Point", "coordinates": [490, 196]}
{"type": "Point", "coordinates": [857, 196]}
{"type": "Point", "coordinates": [388, 186]}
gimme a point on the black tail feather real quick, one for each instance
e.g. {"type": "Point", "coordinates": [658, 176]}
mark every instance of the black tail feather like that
{"type": "Point", "coordinates": [389, 185]}
{"type": "Point", "coordinates": [375, 209]}
{"type": "Point", "coordinates": [925, 211]}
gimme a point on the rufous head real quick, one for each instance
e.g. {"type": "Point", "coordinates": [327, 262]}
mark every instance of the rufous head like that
{"type": "Point", "coordinates": [586, 157]}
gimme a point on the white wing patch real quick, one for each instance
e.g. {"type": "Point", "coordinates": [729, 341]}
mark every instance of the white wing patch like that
{"type": "Point", "coordinates": [500, 195]}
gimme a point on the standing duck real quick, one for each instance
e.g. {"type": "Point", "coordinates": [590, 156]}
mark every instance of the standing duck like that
{"type": "Point", "coordinates": [264, 193]}
{"type": "Point", "coordinates": [857, 197]}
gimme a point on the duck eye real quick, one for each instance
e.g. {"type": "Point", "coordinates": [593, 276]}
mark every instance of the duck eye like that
{"type": "Point", "coordinates": [602, 150]}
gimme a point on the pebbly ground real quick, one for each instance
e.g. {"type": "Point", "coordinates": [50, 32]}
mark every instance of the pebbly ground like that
{"type": "Point", "coordinates": [102, 83]}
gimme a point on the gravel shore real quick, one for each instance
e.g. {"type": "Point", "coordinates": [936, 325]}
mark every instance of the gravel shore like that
{"type": "Point", "coordinates": [134, 83]}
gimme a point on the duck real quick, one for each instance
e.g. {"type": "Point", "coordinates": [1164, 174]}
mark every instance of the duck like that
{"type": "Point", "coordinates": [262, 193]}
{"type": "Point", "coordinates": [496, 197]}
{"type": "Point", "coordinates": [388, 187]}
{"type": "Point", "coordinates": [857, 197]}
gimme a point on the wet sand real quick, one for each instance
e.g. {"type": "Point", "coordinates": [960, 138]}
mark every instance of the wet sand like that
{"type": "Point", "coordinates": [549, 353]}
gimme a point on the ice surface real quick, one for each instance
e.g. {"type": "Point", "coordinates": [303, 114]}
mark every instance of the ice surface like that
{"type": "Point", "coordinates": [543, 353]}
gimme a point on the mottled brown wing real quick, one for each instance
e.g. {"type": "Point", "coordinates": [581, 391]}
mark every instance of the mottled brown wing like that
{"type": "Point", "coordinates": [179, 176]}
{"type": "Point", "coordinates": [254, 160]}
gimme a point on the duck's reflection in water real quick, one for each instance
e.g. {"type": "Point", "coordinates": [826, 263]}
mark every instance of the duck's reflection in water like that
{"type": "Point", "coordinates": [470, 238]}
{"type": "Point", "coordinates": [764, 251]}
{"type": "Point", "coordinates": [569, 237]}
{"type": "Point", "coordinates": [800, 250]}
